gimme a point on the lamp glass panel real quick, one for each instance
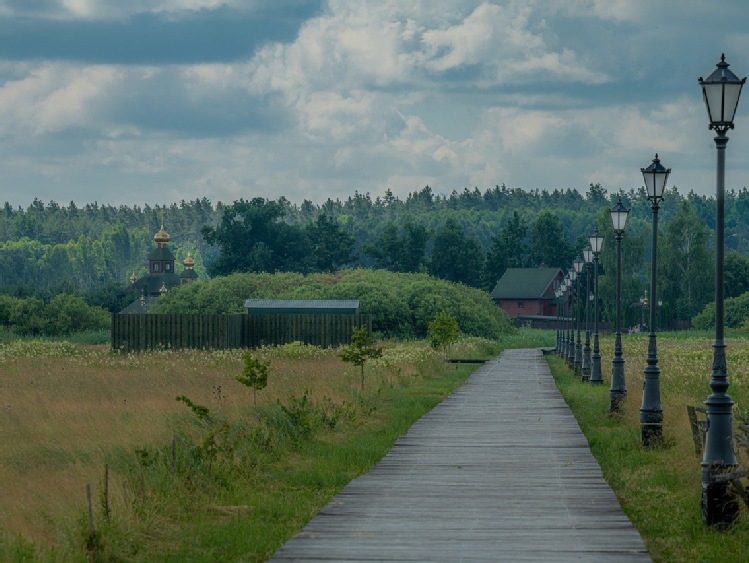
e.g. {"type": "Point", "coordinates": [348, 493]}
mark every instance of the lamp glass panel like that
{"type": "Point", "coordinates": [713, 93]}
{"type": "Point", "coordinates": [731, 100]}
{"type": "Point", "coordinates": [619, 218]}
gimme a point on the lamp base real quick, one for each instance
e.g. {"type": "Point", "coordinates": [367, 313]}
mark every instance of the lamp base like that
{"type": "Point", "coordinates": [720, 507]}
{"type": "Point", "coordinates": [651, 435]}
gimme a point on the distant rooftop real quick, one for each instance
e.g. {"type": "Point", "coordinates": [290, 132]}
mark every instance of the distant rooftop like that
{"type": "Point", "coordinates": [526, 283]}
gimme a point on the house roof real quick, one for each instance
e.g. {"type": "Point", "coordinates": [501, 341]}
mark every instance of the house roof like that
{"type": "Point", "coordinates": [302, 306]}
{"type": "Point", "coordinates": [526, 283]}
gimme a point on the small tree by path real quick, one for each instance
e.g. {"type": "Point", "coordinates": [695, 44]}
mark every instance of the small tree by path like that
{"type": "Point", "coordinates": [254, 374]}
{"type": "Point", "coordinates": [362, 348]}
{"type": "Point", "coordinates": [444, 331]}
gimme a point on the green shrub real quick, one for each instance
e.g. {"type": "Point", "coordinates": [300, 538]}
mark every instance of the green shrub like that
{"type": "Point", "coordinates": [401, 305]}
{"type": "Point", "coordinates": [735, 313]}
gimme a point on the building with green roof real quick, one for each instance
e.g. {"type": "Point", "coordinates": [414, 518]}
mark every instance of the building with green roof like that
{"type": "Point", "coordinates": [161, 275]}
{"type": "Point", "coordinates": [528, 292]}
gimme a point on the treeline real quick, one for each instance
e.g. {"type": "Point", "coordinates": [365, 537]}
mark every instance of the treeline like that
{"type": "Point", "coordinates": [466, 236]}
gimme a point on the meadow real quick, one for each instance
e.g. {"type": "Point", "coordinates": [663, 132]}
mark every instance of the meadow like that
{"type": "Point", "coordinates": [220, 479]}
{"type": "Point", "coordinates": [209, 477]}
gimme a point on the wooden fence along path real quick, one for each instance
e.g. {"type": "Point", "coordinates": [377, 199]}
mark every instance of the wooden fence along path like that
{"type": "Point", "coordinates": [137, 333]}
{"type": "Point", "coordinates": [499, 471]}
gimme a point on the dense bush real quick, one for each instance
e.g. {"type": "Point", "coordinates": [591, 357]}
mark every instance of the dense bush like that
{"type": "Point", "coordinates": [736, 311]}
{"type": "Point", "coordinates": [63, 315]}
{"type": "Point", "coordinates": [402, 305]}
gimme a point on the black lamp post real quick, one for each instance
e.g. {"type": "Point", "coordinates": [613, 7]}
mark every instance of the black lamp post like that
{"type": "Point", "coordinates": [721, 91]}
{"type": "Point", "coordinates": [596, 245]}
{"type": "Point", "coordinates": [571, 276]}
{"type": "Point", "coordinates": [578, 364]}
{"type": "Point", "coordinates": [651, 414]}
{"type": "Point", "coordinates": [618, 389]}
{"type": "Point", "coordinates": [565, 299]}
{"type": "Point", "coordinates": [557, 296]}
{"type": "Point", "coordinates": [588, 257]}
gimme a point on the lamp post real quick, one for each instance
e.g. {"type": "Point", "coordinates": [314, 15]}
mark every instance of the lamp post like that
{"type": "Point", "coordinates": [588, 257]}
{"type": "Point", "coordinates": [618, 389]}
{"type": "Point", "coordinates": [578, 364]}
{"type": "Point", "coordinates": [557, 296]}
{"type": "Point", "coordinates": [562, 299]}
{"type": "Point", "coordinates": [721, 91]}
{"type": "Point", "coordinates": [571, 275]}
{"type": "Point", "coordinates": [651, 413]}
{"type": "Point", "coordinates": [596, 245]}
{"type": "Point", "coordinates": [565, 313]}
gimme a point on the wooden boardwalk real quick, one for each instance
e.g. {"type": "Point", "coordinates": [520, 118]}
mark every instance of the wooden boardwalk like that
{"type": "Point", "coordinates": [499, 471]}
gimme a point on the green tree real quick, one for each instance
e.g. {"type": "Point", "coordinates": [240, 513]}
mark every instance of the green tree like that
{"type": "Point", "coordinates": [548, 244]}
{"type": "Point", "coordinates": [457, 257]}
{"type": "Point", "coordinates": [399, 252]}
{"type": "Point", "coordinates": [254, 374]}
{"type": "Point", "coordinates": [361, 350]}
{"type": "Point", "coordinates": [736, 274]}
{"type": "Point", "coordinates": [444, 331]}
{"type": "Point", "coordinates": [252, 238]}
{"type": "Point", "coordinates": [330, 248]}
{"type": "Point", "coordinates": [508, 250]}
{"type": "Point", "coordinates": [686, 266]}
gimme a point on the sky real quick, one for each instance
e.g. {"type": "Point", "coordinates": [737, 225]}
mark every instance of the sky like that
{"type": "Point", "coordinates": [156, 101]}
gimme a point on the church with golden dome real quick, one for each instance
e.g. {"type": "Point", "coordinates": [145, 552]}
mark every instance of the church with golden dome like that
{"type": "Point", "coordinates": [161, 275]}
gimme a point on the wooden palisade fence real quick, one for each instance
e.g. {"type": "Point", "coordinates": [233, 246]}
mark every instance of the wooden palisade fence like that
{"type": "Point", "coordinates": [136, 333]}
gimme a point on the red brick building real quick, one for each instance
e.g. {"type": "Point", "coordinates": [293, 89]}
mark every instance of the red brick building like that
{"type": "Point", "coordinates": [528, 292]}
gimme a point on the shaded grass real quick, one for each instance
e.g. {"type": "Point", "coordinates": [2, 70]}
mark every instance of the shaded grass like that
{"type": "Point", "coordinates": [659, 489]}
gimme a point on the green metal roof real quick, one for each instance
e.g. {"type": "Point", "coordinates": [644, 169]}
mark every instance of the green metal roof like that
{"type": "Point", "coordinates": [320, 306]}
{"type": "Point", "coordinates": [526, 283]}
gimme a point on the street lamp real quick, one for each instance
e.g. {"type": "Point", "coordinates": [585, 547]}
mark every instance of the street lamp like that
{"type": "Point", "coordinates": [618, 389]}
{"type": "Point", "coordinates": [651, 413]}
{"type": "Point", "coordinates": [563, 304]}
{"type": "Point", "coordinates": [571, 276]}
{"type": "Point", "coordinates": [557, 296]}
{"type": "Point", "coordinates": [596, 245]}
{"type": "Point", "coordinates": [588, 257]}
{"type": "Point", "coordinates": [578, 265]}
{"type": "Point", "coordinates": [721, 91]}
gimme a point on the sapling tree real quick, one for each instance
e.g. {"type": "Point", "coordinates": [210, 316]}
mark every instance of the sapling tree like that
{"type": "Point", "coordinates": [444, 331]}
{"type": "Point", "coordinates": [254, 374]}
{"type": "Point", "coordinates": [362, 348]}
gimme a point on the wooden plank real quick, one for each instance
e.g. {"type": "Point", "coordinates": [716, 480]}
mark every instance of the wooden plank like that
{"type": "Point", "coordinates": [484, 476]}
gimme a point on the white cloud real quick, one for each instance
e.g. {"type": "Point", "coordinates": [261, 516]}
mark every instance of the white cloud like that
{"type": "Point", "coordinates": [51, 98]}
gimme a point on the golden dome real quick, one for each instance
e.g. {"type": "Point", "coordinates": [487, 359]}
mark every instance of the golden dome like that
{"type": "Point", "coordinates": [188, 262]}
{"type": "Point", "coordinates": [133, 279]}
{"type": "Point", "coordinates": [163, 289]}
{"type": "Point", "coordinates": [161, 236]}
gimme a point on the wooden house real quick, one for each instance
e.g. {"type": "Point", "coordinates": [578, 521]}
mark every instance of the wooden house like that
{"type": "Point", "coordinates": [528, 292]}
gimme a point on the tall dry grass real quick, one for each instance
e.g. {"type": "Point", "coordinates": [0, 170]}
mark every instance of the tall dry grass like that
{"type": "Point", "coordinates": [67, 410]}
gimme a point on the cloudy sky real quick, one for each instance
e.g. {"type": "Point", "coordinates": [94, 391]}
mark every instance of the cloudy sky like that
{"type": "Point", "coordinates": [155, 101]}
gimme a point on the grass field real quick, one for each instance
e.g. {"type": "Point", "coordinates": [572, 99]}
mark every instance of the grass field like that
{"type": "Point", "coordinates": [239, 479]}
{"type": "Point", "coordinates": [242, 479]}
{"type": "Point", "coordinates": [660, 489]}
